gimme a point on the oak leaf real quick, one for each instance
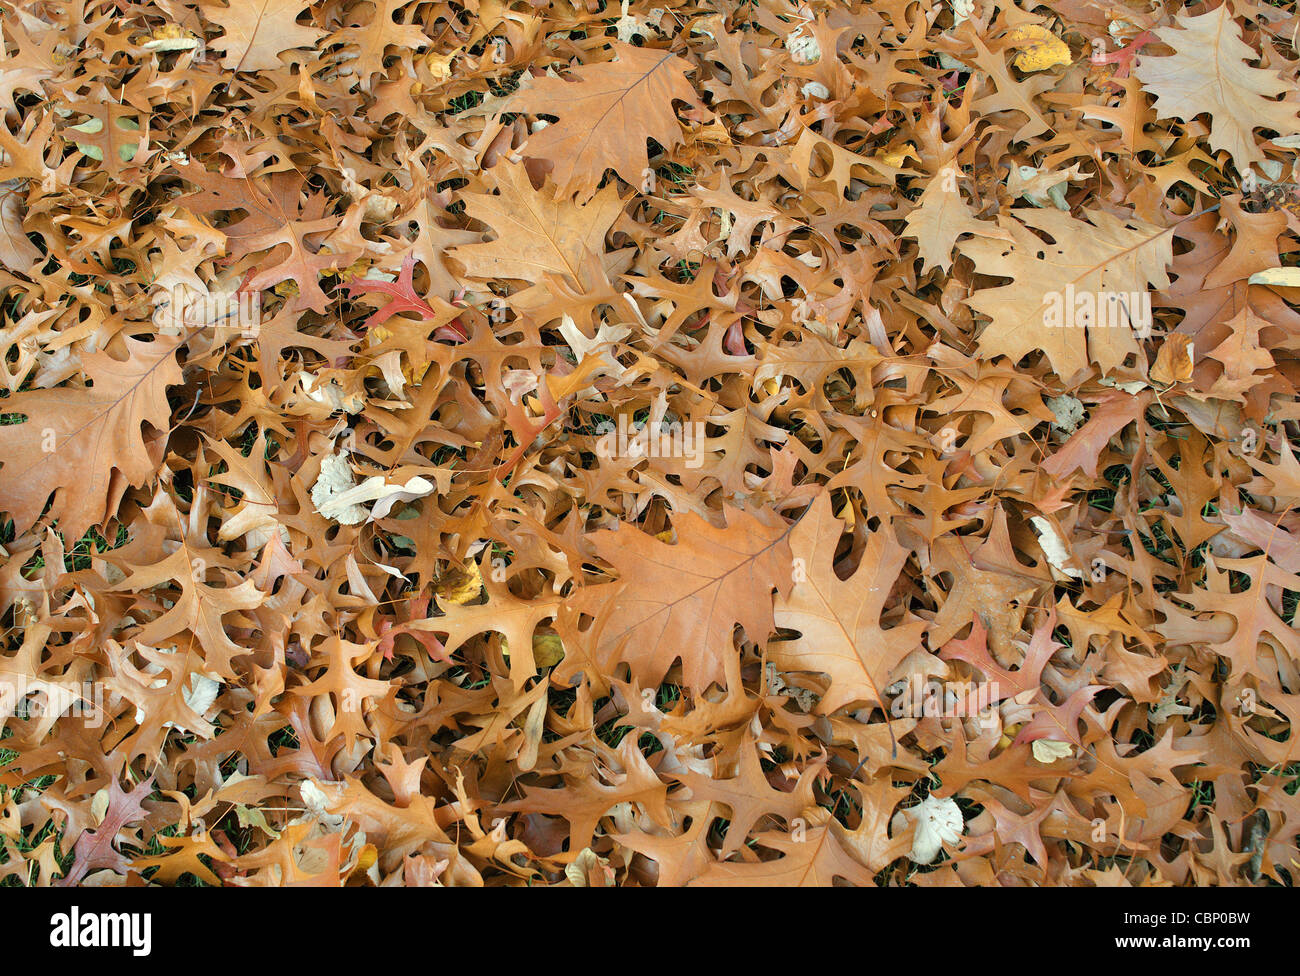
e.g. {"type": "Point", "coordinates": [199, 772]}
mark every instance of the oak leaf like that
{"type": "Point", "coordinates": [256, 32]}
{"type": "Point", "coordinates": [85, 445]}
{"type": "Point", "coordinates": [606, 115]}
{"type": "Point", "coordinates": [840, 620]}
{"type": "Point", "coordinates": [1104, 260]}
{"type": "Point", "coordinates": [1209, 73]}
{"type": "Point", "coordinates": [683, 601]}
{"type": "Point", "coordinates": [818, 859]}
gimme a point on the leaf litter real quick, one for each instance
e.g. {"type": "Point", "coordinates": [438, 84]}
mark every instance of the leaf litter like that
{"type": "Point", "coordinates": [516, 443]}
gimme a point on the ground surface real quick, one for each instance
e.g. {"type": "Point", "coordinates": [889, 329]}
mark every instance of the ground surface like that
{"type": "Point", "coordinates": [533, 443]}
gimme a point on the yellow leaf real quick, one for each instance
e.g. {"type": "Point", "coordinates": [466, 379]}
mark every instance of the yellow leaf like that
{"type": "Point", "coordinates": [439, 65]}
{"type": "Point", "coordinates": [172, 37]}
{"type": "Point", "coordinates": [366, 858]}
{"type": "Point", "coordinates": [99, 806]}
{"type": "Point", "coordinates": [1039, 48]}
{"type": "Point", "coordinates": [897, 157]}
{"type": "Point", "coordinates": [1047, 751]}
{"type": "Point", "coordinates": [847, 515]}
{"type": "Point", "coordinates": [357, 269]}
{"type": "Point", "coordinates": [1284, 277]}
{"type": "Point", "coordinates": [459, 586]}
{"type": "Point", "coordinates": [548, 650]}
{"type": "Point", "coordinates": [254, 817]}
{"type": "Point", "coordinates": [589, 870]}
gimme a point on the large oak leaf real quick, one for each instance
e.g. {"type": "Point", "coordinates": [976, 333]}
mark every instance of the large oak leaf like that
{"type": "Point", "coordinates": [682, 601]}
{"type": "Point", "coordinates": [840, 619]}
{"type": "Point", "coordinates": [1209, 73]}
{"type": "Point", "coordinates": [255, 32]}
{"type": "Point", "coordinates": [542, 241]}
{"type": "Point", "coordinates": [86, 445]}
{"type": "Point", "coordinates": [1100, 256]}
{"type": "Point", "coordinates": [606, 115]}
